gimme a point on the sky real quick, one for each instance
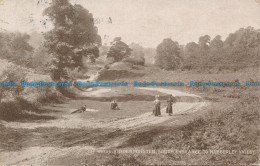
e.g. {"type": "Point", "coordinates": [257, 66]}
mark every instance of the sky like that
{"type": "Point", "coordinates": [146, 22]}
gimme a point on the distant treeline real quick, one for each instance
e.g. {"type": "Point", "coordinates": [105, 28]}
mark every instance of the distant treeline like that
{"type": "Point", "coordinates": [240, 50]}
{"type": "Point", "coordinates": [62, 51]}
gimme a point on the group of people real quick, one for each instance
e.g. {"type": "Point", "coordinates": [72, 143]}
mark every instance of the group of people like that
{"type": "Point", "coordinates": [113, 106]}
{"type": "Point", "coordinates": [156, 110]}
{"type": "Point", "coordinates": [157, 106]}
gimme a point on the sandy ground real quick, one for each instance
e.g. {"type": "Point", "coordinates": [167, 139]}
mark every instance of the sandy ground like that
{"type": "Point", "coordinates": [43, 155]}
{"type": "Point", "coordinates": [146, 119]}
{"type": "Point", "coordinates": [74, 120]}
{"type": "Point", "coordinates": [170, 91]}
{"type": "Point", "coordinates": [95, 93]}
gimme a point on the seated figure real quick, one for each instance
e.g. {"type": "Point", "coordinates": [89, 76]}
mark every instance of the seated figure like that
{"type": "Point", "coordinates": [114, 105]}
{"type": "Point", "coordinates": [84, 108]}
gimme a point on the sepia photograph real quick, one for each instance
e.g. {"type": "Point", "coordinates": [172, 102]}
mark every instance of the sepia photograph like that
{"type": "Point", "coordinates": [129, 82]}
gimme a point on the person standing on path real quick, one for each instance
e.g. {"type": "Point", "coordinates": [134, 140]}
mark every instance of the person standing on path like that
{"type": "Point", "coordinates": [169, 105]}
{"type": "Point", "coordinates": [157, 106]}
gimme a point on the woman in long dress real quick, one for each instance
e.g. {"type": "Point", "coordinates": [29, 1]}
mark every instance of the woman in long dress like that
{"type": "Point", "coordinates": [169, 105]}
{"type": "Point", "coordinates": [157, 106]}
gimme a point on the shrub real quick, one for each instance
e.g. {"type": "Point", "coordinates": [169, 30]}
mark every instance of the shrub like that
{"type": "Point", "coordinates": [135, 60]}
{"type": "Point", "coordinates": [14, 74]}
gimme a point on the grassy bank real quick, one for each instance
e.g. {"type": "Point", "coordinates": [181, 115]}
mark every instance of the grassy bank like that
{"type": "Point", "coordinates": [233, 128]}
{"type": "Point", "coordinates": [228, 123]}
{"type": "Point", "coordinates": [231, 123]}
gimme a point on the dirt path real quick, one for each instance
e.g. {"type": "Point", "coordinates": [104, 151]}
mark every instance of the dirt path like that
{"type": "Point", "coordinates": [74, 120]}
{"type": "Point", "coordinates": [60, 155]}
{"type": "Point", "coordinates": [44, 155]}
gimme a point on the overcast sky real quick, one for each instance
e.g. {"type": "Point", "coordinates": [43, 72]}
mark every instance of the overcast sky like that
{"type": "Point", "coordinates": [146, 22]}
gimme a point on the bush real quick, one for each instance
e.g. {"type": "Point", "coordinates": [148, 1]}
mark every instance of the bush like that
{"type": "Point", "coordinates": [118, 51]}
{"type": "Point", "coordinates": [14, 110]}
{"type": "Point", "coordinates": [14, 74]}
{"type": "Point", "coordinates": [135, 60]}
{"type": "Point", "coordinates": [51, 98]}
{"type": "Point", "coordinates": [15, 48]}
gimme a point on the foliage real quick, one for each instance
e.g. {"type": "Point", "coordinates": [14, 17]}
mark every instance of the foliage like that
{"type": "Point", "coordinates": [233, 128]}
{"type": "Point", "coordinates": [149, 54]}
{"type": "Point", "coordinates": [104, 50]}
{"type": "Point", "coordinates": [15, 48]}
{"type": "Point", "coordinates": [168, 55]}
{"type": "Point", "coordinates": [204, 42]}
{"type": "Point", "coordinates": [119, 50]}
{"type": "Point", "coordinates": [137, 55]}
{"type": "Point", "coordinates": [240, 50]}
{"type": "Point", "coordinates": [74, 35]}
{"type": "Point", "coordinates": [40, 58]}
{"type": "Point", "coordinates": [12, 74]}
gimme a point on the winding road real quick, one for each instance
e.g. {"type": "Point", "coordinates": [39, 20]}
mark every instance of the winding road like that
{"type": "Point", "coordinates": [46, 155]}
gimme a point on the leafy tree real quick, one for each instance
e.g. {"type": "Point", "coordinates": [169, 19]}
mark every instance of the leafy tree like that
{"type": "Point", "coordinates": [138, 50]}
{"type": "Point", "coordinates": [118, 50]}
{"type": "Point", "coordinates": [73, 36]}
{"type": "Point", "coordinates": [191, 49]}
{"type": "Point", "coordinates": [204, 42]}
{"type": "Point", "coordinates": [137, 55]}
{"type": "Point", "coordinates": [15, 48]}
{"type": "Point", "coordinates": [168, 55]}
{"type": "Point", "coordinates": [243, 39]}
{"type": "Point", "coordinates": [40, 58]}
{"type": "Point", "coordinates": [240, 49]}
{"type": "Point", "coordinates": [216, 48]}
{"type": "Point", "coordinates": [216, 43]}
{"type": "Point", "coordinates": [91, 52]}
{"type": "Point", "coordinates": [191, 56]}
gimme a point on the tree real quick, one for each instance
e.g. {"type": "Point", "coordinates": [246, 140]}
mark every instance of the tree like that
{"type": "Point", "coordinates": [191, 56]}
{"type": "Point", "coordinates": [40, 58]}
{"type": "Point", "coordinates": [168, 55]}
{"type": "Point", "coordinates": [118, 50]}
{"type": "Point", "coordinates": [191, 49]}
{"type": "Point", "coordinates": [73, 36]}
{"type": "Point", "coordinates": [216, 43]}
{"type": "Point", "coordinates": [15, 48]}
{"type": "Point", "coordinates": [216, 47]}
{"type": "Point", "coordinates": [240, 49]}
{"type": "Point", "coordinates": [243, 47]}
{"type": "Point", "coordinates": [137, 55]}
{"type": "Point", "coordinates": [138, 50]}
{"type": "Point", "coordinates": [204, 42]}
